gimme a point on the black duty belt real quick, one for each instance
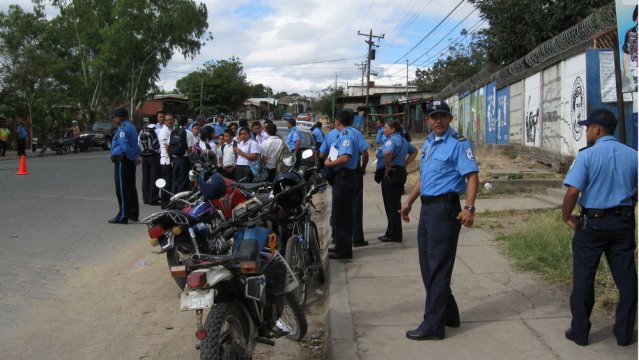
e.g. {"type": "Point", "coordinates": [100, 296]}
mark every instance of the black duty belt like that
{"type": "Point", "coordinates": [449, 197]}
{"type": "Point", "coordinates": [615, 211]}
{"type": "Point", "coordinates": [346, 172]}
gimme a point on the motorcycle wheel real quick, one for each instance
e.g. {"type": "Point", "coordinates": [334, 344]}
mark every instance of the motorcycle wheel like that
{"type": "Point", "coordinates": [316, 256]}
{"type": "Point", "coordinates": [182, 251]}
{"type": "Point", "coordinates": [107, 144]}
{"type": "Point", "coordinates": [294, 256]}
{"type": "Point", "coordinates": [66, 148]}
{"type": "Point", "coordinates": [42, 151]}
{"type": "Point", "coordinates": [293, 318]}
{"type": "Point", "coordinates": [227, 333]}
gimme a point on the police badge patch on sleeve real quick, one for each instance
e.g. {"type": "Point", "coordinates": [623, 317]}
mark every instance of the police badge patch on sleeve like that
{"type": "Point", "coordinates": [469, 154]}
{"type": "Point", "coordinates": [122, 134]}
{"type": "Point", "coordinates": [388, 143]}
{"type": "Point", "coordinates": [346, 143]}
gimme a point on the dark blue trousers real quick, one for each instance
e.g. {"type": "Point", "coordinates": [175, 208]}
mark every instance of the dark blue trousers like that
{"type": "Point", "coordinates": [437, 236]}
{"type": "Point", "coordinates": [125, 190]}
{"type": "Point", "coordinates": [392, 195]}
{"type": "Point", "coordinates": [343, 196]}
{"type": "Point", "coordinates": [613, 237]}
{"type": "Point", "coordinates": [181, 167]}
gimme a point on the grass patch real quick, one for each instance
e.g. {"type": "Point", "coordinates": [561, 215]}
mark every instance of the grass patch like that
{"type": "Point", "coordinates": [539, 242]}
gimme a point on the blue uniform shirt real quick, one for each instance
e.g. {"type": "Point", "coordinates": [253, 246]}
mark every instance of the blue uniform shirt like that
{"type": "Point", "coordinates": [319, 136]}
{"type": "Point", "coordinates": [379, 139]}
{"type": "Point", "coordinates": [348, 143]}
{"type": "Point", "coordinates": [444, 163]}
{"type": "Point", "coordinates": [605, 174]}
{"type": "Point", "coordinates": [219, 129]}
{"type": "Point", "coordinates": [329, 140]}
{"type": "Point", "coordinates": [293, 136]}
{"type": "Point", "coordinates": [125, 141]}
{"type": "Point", "coordinates": [21, 131]}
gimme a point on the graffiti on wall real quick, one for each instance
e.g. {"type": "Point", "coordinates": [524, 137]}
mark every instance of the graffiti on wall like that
{"type": "Point", "coordinates": [531, 121]}
{"type": "Point", "coordinates": [577, 108]}
{"type": "Point", "coordinates": [502, 116]}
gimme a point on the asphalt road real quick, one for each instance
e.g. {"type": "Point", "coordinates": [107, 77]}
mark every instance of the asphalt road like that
{"type": "Point", "coordinates": [52, 223]}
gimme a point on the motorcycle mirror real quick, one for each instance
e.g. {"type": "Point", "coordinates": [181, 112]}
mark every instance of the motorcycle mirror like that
{"type": "Point", "coordinates": [288, 160]}
{"type": "Point", "coordinates": [160, 183]}
{"type": "Point", "coordinates": [307, 154]}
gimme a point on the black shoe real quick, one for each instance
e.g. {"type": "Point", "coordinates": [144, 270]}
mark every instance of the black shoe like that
{"type": "Point", "coordinates": [421, 335]}
{"type": "Point", "coordinates": [570, 336]}
{"type": "Point", "coordinates": [116, 220]}
{"type": "Point", "coordinates": [134, 219]}
{"type": "Point", "coordinates": [383, 238]}
{"type": "Point", "coordinates": [332, 250]}
{"type": "Point", "coordinates": [453, 323]}
{"type": "Point", "coordinates": [337, 256]}
{"type": "Point", "coordinates": [389, 240]}
{"type": "Point", "coordinates": [362, 243]}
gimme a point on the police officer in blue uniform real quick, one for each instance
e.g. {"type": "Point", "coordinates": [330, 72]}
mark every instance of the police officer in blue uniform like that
{"type": "Point", "coordinates": [125, 154]}
{"type": "Point", "coordinates": [394, 155]}
{"type": "Point", "coordinates": [605, 173]}
{"type": "Point", "coordinates": [380, 138]}
{"type": "Point", "coordinates": [358, 200]}
{"type": "Point", "coordinates": [345, 167]}
{"type": "Point", "coordinates": [293, 139]}
{"type": "Point", "coordinates": [218, 128]}
{"type": "Point", "coordinates": [447, 170]}
{"type": "Point", "coordinates": [318, 134]}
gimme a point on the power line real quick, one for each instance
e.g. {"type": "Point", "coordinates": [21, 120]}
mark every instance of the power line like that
{"type": "Point", "coordinates": [430, 32]}
{"type": "Point", "coordinates": [406, 24]}
{"type": "Point", "coordinates": [470, 32]}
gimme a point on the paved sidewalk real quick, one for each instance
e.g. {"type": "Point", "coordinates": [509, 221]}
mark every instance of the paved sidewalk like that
{"type": "Point", "coordinates": [379, 295]}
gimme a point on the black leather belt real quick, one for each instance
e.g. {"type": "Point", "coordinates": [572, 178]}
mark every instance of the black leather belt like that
{"type": "Point", "coordinates": [449, 197]}
{"type": "Point", "coordinates": [346, 172]}
{"type": "Point", "coordinates": [615, 211]}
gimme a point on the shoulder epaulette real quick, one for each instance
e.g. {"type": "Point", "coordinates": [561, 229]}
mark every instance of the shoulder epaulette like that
{"type": "Point", "coordinates": [459, 137]}
{"type": "Point", "coordinates": [584, 148]}
{"type": "Point", "coordinates": [345, 132]}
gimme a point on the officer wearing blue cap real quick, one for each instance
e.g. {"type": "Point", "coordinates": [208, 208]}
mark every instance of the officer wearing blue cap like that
{"type": "Point", "coordinates": [447, 169]}
{"type": "Point", "coordinates": [605, 174]}
{"type": "Point", "coordinates": [125, 154]}
{"type": "Point", "coordinates": [345, 167]}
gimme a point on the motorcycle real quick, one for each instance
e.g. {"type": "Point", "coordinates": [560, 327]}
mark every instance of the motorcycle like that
{"type": "Point", "coordinates": [249, 292]}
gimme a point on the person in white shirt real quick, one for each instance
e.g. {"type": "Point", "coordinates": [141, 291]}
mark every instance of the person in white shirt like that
{"type": "Point", "coordinates": [227, 154]}
{"type": "Point", "coordinates": [271, 150]}
{"type": "Point", "coordinates": [165, 158]}
{"type": "Point", "coordinates": [247, 151]}
{"type": "Point", "coordinates": [151, 167]}
{"type": "Point", "coordinates": [182, 163]}
{"type": "Point", "coordinates": [206, 144]}
{"type": "Point", "coordinates": [260, 133]}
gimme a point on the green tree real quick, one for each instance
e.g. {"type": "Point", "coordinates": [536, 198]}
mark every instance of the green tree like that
{"type": "Point", "coordinates": [461, 63]}
{"type": "Point", "coordinates": [219, 86]}
{"type": "Point", "coordinates": [326, 100]}
{"type": "Point", "coordinates": [261, 91]}
{"type": "Point", "coordinates": [516, 27]}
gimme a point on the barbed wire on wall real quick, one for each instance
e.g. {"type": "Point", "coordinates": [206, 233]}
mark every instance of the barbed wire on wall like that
{"type": "Point", "coordinates": [600, 21]}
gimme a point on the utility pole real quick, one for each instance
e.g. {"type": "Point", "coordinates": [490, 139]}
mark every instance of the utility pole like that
{"type": "Point", "coordinates": [362, 66]}
{"type": "Point", "coordinates": [407, 106]}
{"type": "Point", "coordinates": [370, 43]}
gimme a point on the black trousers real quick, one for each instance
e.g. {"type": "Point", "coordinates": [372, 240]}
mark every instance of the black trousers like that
{"type": "Point", "coordinates": [181, 167]}
{"type": "Point", "coordinates": [344, 192]}
{"type": "Point", "coordinates": [614, 237]}
{"type": "Point", "coordinates": [437, 236]}
{"type": "Point", "coordinates": [243, 174]}
{"type": "Point", "coordinates": [127, 194]}
{"type": "Point", "coordinates": [3, 147]}
{"type": "Point", "coordinates": [151, 171]}
{"type": "Point", "coordinates": [392, 196]}
{"type": "Point", "coordinates": [358, 206]}
{"type": "Point", "coordinates": [22, 144]}
{"type": "Point", "coordinates": [167, 175]}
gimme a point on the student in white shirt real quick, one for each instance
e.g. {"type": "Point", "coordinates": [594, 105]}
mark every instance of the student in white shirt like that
{"type": "Point", "coordinates": [227, 154]}
{"type": "Point", "coordinates": [271, 148]}
{"type": "Point", "coordinates": [165, 158]}
{"type": "Point", "coordinates": [260, 133]}
{"type": "Point", "coordinates": [247, 151]}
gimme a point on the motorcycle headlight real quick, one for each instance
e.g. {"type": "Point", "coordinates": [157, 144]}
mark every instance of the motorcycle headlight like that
{"type": "Point", "coordinates": [192, 175]}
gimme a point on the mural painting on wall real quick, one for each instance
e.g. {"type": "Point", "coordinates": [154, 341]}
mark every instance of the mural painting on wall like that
{"type": "Point", "coordinates": [532, 120]}
{"type": "Point", "coordinates": [479, 115]}
{"type": "Point", "coordinates": [577, 108]}
{"type": "Point", "coordinates": [491, 113]}
{"type": "Point", "coordinates": [503, 115]}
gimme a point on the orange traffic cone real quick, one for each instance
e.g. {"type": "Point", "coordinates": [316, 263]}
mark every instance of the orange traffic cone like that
{"type": "Point", "coordinates": [23, 166]}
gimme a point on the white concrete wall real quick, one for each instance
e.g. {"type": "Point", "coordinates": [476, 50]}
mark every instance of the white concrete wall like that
{"type": "Point", "coordinates": [551, 108]}
{"type": "Point", "coordinates": [532, 110]}
{"type": "Point", "coordinates": [516, 113]}
{"type": "Point", "coordinates": [573, 105]}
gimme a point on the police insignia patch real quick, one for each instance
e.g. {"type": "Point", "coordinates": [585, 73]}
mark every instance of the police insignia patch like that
{"type": "Point", "coordinates": [388, 143]}
{"type": "Point", "coordinates": [121, 134]}
{"type": "Point", "coordinates": [573, 163]}
{"type": "Point", "coordinates": [459, 137]}
{"type": "Point", "coordinates": [346, 143]}
{"type": "Point", "coordinates": [345, 132]}
{"type": "Point", "coordinates": [469, 154]}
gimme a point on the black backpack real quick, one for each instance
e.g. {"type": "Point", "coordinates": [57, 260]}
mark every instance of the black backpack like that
{"type": "Point", "coordinates": [177, 142]}
{"type": "Point", "coordinates": [149, 142]}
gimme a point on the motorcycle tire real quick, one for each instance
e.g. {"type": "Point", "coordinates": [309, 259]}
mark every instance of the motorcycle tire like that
{"type": "Point", "coordinates": [227, 333]}
{"type": "Point", "coordinates": [42, 151]}
{"type": "Point", "coordinates": [316, 256]}
{"type": "Point", "coordinates": [182, 251]}
{"type": "Point", "coordinates": [294, 256]}
{"type": "Point", "coordinates": [293, 318]}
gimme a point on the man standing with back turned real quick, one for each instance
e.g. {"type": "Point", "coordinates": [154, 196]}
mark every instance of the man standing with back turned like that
{"type": "Point", "coordinates": [605, 173]}
{"type": "Point", "coordinates": [447, 168]}
{"type": "Point", "coordinates": [125, 154]}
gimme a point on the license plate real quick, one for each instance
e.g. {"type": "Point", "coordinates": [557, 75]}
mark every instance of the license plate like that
{"type": "Point", "coordinates": [196, 299]}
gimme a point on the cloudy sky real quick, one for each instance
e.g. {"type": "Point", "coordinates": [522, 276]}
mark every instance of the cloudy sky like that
{"type": "Point", "coordinates": [303, 45]}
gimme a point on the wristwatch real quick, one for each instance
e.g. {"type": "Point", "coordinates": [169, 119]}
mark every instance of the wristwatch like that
{"type": "Point", "coordinates": [470, 208]}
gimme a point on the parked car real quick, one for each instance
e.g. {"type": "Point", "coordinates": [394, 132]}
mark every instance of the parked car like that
{"type": "Point", "coordinates": [307, 142]}
{"type": "Point", "coordinates": [304, 116]}
{"type": "Point", "coordinates": [102, 132]}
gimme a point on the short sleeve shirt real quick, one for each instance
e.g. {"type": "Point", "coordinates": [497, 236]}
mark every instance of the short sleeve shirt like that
{"type": "Point", "coordinates": [293, 136]}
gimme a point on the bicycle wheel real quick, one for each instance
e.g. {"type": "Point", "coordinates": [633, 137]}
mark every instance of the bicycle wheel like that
{"type": "Point", "coordinates": [43, 150]}
{"type": "Point", "coordinates": [315, 254]}
{"type": "Point", "coordinates": [294, 256]}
